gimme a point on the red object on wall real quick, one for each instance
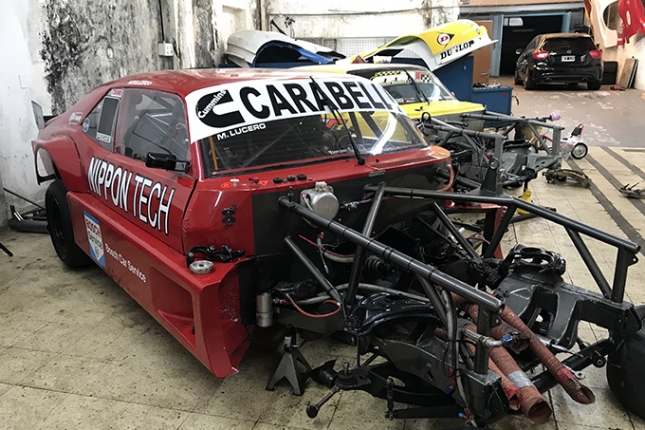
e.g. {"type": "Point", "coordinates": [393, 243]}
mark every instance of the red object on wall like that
{"type": "Point", "coordinates": [632, 13]}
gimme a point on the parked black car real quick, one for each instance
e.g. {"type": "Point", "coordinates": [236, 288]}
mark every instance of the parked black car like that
{"type": "Point", "coordinates": [560, 57]}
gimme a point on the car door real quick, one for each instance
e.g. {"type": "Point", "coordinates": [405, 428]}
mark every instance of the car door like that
{"type": "Point", "coordinates": [151, 199]}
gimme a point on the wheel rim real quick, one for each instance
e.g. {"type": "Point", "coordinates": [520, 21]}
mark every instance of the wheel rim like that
{"type": "Point", "coordinates": [579, 151]}
{"type": "Point", "coordinates": [57, 225]}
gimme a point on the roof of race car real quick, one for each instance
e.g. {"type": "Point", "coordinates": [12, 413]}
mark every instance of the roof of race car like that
{"type": "Point", "coordinates": [343, 67]}
{"type": "Point", "coordinates": [184, 82]}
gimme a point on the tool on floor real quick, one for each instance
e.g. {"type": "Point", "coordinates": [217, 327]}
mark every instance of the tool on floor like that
{"type": "Point", "coordinates": [31, 221]}
{"type": "Point", "coordinates": [631, 192]}
{"type": "Point", "coordinates": [561, 175]}
{"type": "Point", "coordinates": [6, 250]}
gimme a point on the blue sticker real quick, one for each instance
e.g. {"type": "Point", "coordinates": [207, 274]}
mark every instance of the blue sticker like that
{"type": "Point", "coordinates": [95, 238]}
{"type": "Point", "coordinates": [86, 125]}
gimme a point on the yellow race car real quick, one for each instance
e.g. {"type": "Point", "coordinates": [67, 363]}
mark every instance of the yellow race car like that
{"type": "Point", "coordinates": [415, 88]}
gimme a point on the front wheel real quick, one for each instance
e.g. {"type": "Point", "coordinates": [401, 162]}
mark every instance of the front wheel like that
{"type": "Point", "coordinates": [625, 370]}
{"type": "Point", "coordinates": [59, 224]}
{"type": "Point", "coordinates": [579, 151]}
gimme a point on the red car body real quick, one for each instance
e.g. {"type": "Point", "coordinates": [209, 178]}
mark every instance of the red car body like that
{"type": "Point", "coordinates": [142, 221]}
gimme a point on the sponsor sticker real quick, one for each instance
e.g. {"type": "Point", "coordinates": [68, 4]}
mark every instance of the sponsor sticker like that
{"type": "Point", "coordinates": [75, 118]}
{"type": "Point", "coordinates": [86, 125]}
{"type": "Point", "coordinates": [242, 107]}
{"type": "Point", "coordinates": [116, 93]}
{"type": "Point", "coordinates": [95, 239]}
{"type": "Point", "coordinates": [150, 202]}
{"type": "Point", "coordinates": [444, 38]}
{"type": "Point", "coordinates": [457, 48]}
{"type": "Point", "coordinates": [139, 82]}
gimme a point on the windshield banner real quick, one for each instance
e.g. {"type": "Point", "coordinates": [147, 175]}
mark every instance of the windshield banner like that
{"type": "Point", "coordinates": [224, 107]}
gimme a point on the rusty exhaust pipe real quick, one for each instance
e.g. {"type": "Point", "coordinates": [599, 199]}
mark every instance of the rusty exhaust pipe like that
{"type": "Point", "coordinates": [521, 343]}
{"type": "Point", "coordinates": [511, 391]}
{"type": "Point", "coordinates": [533, 405]}
{"type": "Point", "coordinates": [563, 375]}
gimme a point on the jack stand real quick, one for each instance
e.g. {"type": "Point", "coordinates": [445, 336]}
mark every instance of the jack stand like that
{"type": "Point", "coordinates": [526, 196]}
{"type": "Point", "coordinates": [293, 367]}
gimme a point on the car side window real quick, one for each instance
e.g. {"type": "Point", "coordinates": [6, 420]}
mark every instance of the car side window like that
{"type": "Point", "coordinates": [151, 121]}
{"type": "Point", "coordinates": [532, 45]}
{"type": "Point", "coordinates": [99, 124]}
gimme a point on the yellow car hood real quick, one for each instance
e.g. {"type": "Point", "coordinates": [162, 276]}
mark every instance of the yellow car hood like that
{"type": "Point", "coordinates": [437, 46]}
{"type": "Point", "coordinates": [438, 109]}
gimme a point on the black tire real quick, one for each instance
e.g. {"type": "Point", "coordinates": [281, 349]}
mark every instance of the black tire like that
{"type": "Point", "coordinates": [626, 373]}
{"type": "Point", "coordinates": [579, 150]}
{"type": "Point", "coordinates": [517, 79]}
{"type": "Point", "coordinates": [529, 84]}
{"type": "Point", "coordinates": [594, 85]}
{"type": "Point", "coordinates": [59, 224]}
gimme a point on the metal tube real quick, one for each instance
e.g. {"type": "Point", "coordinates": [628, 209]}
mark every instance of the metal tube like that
{"type": "Point", "coordinates": [360, 254]}
{"type": "Point", "coordinates": [443, 126]}
{"type": "Point", "coordinates": [499, 233]}
{"type": "Point", "coordinates": [23, 198]}
{"type": "Point", "coordinates": [367, 287]}
{"type": "Point", "coordinates": [313, 270]}
{"type": "Point", "coordinates": [591, 264]}
{"type": "Point", "coordinates": [501, 117]}
{"type": "Point", "coordinates": [396, 258]}
{"type": "Point", "coordinates": [436, 301]}
{"type": "Point", "coordinates": [506, 200]}
{"type": "Point", "coordinates": [557, 137]}
{"type": "Point", "coordinates": [482, 352]}
{"type": "Point", "coordinates": [464, 182]}
{"type": "Point", "coordinates": [623, 261]}
{"type": "Point", "coordinates": [545, 381]}
{"type": "Point", "coordinates": [467, 246]}
{"type": "Point", "coordinates": [489, 229]}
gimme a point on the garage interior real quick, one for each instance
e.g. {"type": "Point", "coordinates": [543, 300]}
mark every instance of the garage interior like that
{"type": "Point", "coordinates": [78, 352]}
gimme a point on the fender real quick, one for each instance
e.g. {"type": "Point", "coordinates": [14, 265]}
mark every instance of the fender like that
{"type": "Point", "coordinates": [60, 160]}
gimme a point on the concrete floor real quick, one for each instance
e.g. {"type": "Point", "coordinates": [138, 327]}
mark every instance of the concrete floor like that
{"type": "Point", "coordinates": [76, 352]}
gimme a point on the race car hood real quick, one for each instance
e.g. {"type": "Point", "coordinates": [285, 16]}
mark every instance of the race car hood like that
{"type": "Point", "coordinates": [437, 46]}
{"type": "Point", "coordinates": [246, 48]}
{"type": "Point", "coordinates": [440, 109]}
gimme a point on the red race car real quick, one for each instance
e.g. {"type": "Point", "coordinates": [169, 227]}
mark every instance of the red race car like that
{"type": "Point", "coordinates": [223, 200]}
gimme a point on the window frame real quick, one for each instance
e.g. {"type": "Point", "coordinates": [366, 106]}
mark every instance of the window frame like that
{"type": "Point", "coordinates": [122, 122]}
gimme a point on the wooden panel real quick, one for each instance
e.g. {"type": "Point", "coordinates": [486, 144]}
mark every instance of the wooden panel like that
{"type": "Point", "coordinates": [481, 69]}
{"type": "Point", "coordinates": [628, 74]}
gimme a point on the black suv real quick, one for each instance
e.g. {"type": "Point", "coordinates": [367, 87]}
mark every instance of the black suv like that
{"type": "Point", "coordinates": [560, 57]}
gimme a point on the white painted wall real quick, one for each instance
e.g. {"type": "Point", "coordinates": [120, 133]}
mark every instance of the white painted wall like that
{"type": "Point", "coordinates": [22, 78]}
{"type": "Point", "coordinates": [636, 49]}
{"type": "Point", "coordinates": [232, 16]}
{"type": "Point", "coordinates": [197, 28]}
{"type": "Point", "coordinates": [362, 18]}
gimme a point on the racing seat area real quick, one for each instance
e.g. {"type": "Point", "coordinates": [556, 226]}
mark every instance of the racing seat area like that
{"type": "Point", "coordinates": [153, 124]}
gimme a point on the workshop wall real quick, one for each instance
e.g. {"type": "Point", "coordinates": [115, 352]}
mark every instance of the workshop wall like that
{"type": "Point", "coordinates": [364, 18]}
{"type": "Point", "coordinates": [54, 52]}
{"type": "Point", "coordinates": [22, 76]}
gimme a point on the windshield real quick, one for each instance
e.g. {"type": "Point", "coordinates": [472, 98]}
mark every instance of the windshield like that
{"type": "Point", "coordinates": [259, 124]}
{"type": "Point", "coordinates": [398, 84]}
{"type": "Point", "coordinates": [564, 44]}
{"type": "Point", "coordinates": [310, 139]}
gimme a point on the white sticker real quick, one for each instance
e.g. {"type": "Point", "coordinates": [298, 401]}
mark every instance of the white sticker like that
{"type": "Point", "coordinates": [221, 108]}
{"type": "Point", "coordinates": [75, 118]}
{"type": "Point", "coordinates": [95, 239]}
{"type": "Point", "coordinates": [138, 82]}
